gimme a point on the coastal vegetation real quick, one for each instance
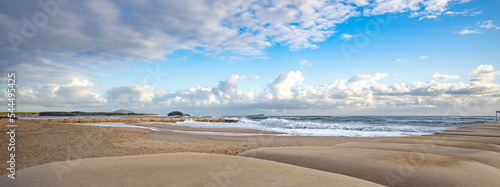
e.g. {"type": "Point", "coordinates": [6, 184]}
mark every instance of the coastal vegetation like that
{"type": "Point", "coordinates": [20, 113]}
{"type": "Point", "coordinates": [73, 113]}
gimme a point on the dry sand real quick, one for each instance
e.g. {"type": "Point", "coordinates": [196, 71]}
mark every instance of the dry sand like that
{"type": "Point", "coordinates": [467, 145]}
{"type": "Point", "coordinates": [488, 157]}
{"type": "Point", "coordinates": [177, 169]}
{"type": "Point", "coordinates": [392, 168]}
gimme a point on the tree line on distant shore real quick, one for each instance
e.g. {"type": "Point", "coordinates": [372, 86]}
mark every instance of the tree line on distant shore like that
{"type": "Point", "coordinates": [78, 113]}
{"type": "Point", "coordinates": [74, 113]}
{"type": "Point", "coordinates": [20, 113]}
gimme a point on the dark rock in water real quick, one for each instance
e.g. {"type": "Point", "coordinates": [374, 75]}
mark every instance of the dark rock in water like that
{"type": "Point", "coordinates": [177, 113]}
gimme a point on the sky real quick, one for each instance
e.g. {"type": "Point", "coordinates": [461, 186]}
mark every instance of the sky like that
{"type": "Point", "coordinates": [240, 57]}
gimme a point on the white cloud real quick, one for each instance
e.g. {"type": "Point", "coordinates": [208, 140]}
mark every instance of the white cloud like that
{"type": "Point", "coordinates": [469, 31]}
{"type": "Point", "coordinates": [486, 24]}
{"type": "Point", "coordinates": [482, 26]}
{"type": "Point", "coordinates": [465, 12]}
{"type": "Point", "coordinates": [359, 93]}
{"type": "Point", "coordinates": [400, 60]}
{"type": "Point", "coordinates": [95, 32]}
{"type": "Point", "coordinates": [430, 9]}
{"type": "Point", "coordinates": [438, 76]}
{"type": "Point", "coordinates": [229, 88]}
{"type": "Point", "coordinates": [366, 78]}
{"type": "Point", "coordinates": [103, 31]}
{"type": "Point", "coordinates": [423, 57]}
{"type": "Point", "coordinates": [359, 2]}
{"type": "Point", "coordinates": [77, 93]}
{"type": "Point", "coordinates": [477, 13]}
{"type": "Point", "coordinates": [305, 63]}
{"type": "Point", "coordinates": [133, 95]}
{"type": "Point", "coordinates": [346, 37]}
{"type": "Point", "coordinates": [226, 93]}
{"type": "Point", "coordinates": [484, 73]}
{"type": "Point", "coordinates": [47, 71]}
{"type": "Point", "coordinates": [281, 87]}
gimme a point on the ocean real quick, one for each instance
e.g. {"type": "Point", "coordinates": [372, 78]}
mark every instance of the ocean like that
{"type": "Point", "coordinates": [348, 126]}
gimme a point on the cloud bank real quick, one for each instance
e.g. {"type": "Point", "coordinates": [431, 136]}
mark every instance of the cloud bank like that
{"type": "Point", "coordinates": [361, 93]}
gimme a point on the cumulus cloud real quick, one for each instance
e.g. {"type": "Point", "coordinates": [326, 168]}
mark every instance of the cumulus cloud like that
{"type": "Point", "coordinates": [438, 76]}
{"type": "Point", "coordinates": [423, 57]}
{"type": "Point", "coordinates": [484, 73]}
{"type": "Point", "coordinates": [132, 94]}
{"type": "Point", "coordinates": [77, 93]}
{"type": "Point", "coordinates": [281, 88]}
{"type": "Point", "coordinates": [224, 94]}
{"type": "Point", "coordinates": [228, 88]}
{"type": "Point", "coordinates": [400, 60]}
{"type": "Point", "coordinates": [361, 92]}
{"type": "Point", "coordinates": [358, 92]}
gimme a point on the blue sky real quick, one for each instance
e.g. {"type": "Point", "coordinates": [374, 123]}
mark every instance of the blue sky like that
{"type": "Point", "coordinates": [424, 57]}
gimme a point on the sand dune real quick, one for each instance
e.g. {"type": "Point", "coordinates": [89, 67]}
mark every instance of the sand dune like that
{"type": "Point", "coordinates": [485, 130]}
{"type": "Point", "coordinates": [490, 124]}
{"type": "Point", "coordinates": [486, 157]}
{"type": "Point", "coordinates": [467, 145]}
{"type": "Point", "coordinates": [472, 133]}
{"type": "Point", "coordinates": [458, 138]}
{"type": "Point", "coordinates": [393, 168]}
{"type": "Point", "coordinates": [178, 169]}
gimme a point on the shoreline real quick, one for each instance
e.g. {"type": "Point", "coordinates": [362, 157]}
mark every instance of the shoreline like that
{"type": "Point", "coordinates": [457, 157]}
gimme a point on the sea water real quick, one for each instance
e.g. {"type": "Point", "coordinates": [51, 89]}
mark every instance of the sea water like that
{"type": "Point", "coordinates": [348, 126]}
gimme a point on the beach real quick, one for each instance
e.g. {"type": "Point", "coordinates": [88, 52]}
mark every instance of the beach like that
{"type": "Point", "coordinates": [61, 154]}
{"type": "Point", "coordinates": [45, 142]}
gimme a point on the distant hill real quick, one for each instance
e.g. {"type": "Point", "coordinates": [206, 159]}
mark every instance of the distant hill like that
{"type": "Point", "coordinates": [123, 111]}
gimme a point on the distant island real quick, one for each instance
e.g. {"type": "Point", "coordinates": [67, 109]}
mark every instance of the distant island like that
{"type": "Point", "coordinates": [177, 113]}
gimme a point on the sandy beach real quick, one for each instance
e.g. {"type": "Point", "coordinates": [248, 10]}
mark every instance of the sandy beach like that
{"type": "Point", "coordinates": [59, 154]}
{"type": "Point", "coordinates": [44, 142]}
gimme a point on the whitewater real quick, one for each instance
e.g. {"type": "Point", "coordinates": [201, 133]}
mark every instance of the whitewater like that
{"type": "Point", "coordinates": [347, 126]}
